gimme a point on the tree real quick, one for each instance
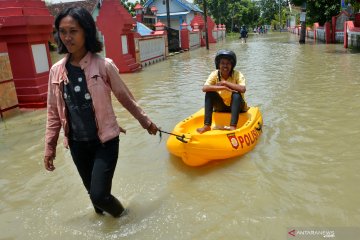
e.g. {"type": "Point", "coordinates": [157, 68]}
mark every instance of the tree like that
{"type": "Point", "coordinates": [268, 9]}
{"type": "Point", "coordinates": [320, 11]}
{"type": "Point", "coordinates": [239, 12]}
{"type": "Point", "coordinates": [243, 13]}
{"type": "Point", "coordinates": [280, 22]}
{"type": "Point", "coordinates": [355, 4]}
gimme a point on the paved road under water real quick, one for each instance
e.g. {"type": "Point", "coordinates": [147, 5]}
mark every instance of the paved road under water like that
{"type": "Point", "coordinates": [304, 172]}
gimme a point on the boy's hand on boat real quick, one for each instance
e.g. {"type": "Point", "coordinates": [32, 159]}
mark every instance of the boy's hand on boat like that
{"type": "Point", "coordinates": [152, 129]}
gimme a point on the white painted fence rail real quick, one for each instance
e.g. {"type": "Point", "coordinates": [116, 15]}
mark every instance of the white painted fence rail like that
{"type": "Point", "coordinates": [152, 49]}
{"type": "Point", "coordinates": [194, 40]}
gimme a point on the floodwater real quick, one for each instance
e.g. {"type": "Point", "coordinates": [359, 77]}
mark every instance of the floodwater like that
{"type": "Point", "coordinates": [304, 171]}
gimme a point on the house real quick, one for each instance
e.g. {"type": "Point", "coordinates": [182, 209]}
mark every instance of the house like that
{"type": "Point", "coordinates": [180, 11]}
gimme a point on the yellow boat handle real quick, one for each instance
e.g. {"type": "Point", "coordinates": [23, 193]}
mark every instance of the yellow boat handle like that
{"type": "Point", "coordinates": [259, 128]}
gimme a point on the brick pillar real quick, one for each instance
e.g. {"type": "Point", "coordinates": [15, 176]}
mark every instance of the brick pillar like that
{"type": "Point", "coordinates": [328, 32]}
{"type": "Point", "coordinates": [185, 38]}
{"type": "Point", "coordinates": [333, 24]}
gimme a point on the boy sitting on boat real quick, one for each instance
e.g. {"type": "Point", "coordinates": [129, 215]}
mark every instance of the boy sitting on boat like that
{"type": "Point", "coordinates": [224, 91]}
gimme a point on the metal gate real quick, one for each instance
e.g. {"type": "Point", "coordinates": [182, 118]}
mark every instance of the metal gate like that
{"type": "Point", "coordinates": [173, 39]}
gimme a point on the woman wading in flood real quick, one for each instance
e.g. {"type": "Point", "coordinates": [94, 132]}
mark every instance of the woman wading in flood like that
{"type": "Point", "coordinates": [79, 101]}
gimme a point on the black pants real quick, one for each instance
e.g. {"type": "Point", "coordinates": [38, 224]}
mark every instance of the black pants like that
{"type": "Point", "coordinates": [214, 102]}
{"type": "Point", "coordinates": [96, 164]}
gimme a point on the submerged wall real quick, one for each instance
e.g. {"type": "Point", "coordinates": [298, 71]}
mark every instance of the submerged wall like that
{"type": "Point", "coordinates": [8, 97]}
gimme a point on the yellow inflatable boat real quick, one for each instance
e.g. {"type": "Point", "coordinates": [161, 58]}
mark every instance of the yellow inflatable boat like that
{"type": "Point", "coordinates": [198, 149]}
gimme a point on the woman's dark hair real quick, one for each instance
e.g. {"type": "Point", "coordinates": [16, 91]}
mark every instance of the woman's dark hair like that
{"type": "Point", "coordinates": [87, 23]}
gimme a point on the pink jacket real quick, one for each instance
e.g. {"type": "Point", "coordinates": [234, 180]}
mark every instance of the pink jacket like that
{"type": "Point", "coordinates": [102, 77]}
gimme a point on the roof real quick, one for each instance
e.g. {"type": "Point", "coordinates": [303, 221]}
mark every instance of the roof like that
{"type": "Point", "coordinates": [142, 29]}
{"type": "Point", "coordinates": [192, 6]}
{"type": "Point", "coordinates": [185, 4]}
{"type": "Point", "coordinates": [89, 5]}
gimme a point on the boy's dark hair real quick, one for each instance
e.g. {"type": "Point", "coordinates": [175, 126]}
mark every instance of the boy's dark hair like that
{"type": "Point", "coordinates": [87, 23]}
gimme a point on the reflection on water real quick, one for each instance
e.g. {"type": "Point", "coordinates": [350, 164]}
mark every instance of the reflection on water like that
{"type": "Point", "coordinates": [302, 173]}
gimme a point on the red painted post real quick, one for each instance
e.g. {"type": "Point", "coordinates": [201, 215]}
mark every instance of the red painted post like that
{"type": "Point", "coordinates": [185, 39]}
{"type": "Point", "coordinates": [333, 24]}
{"type": "Point", "coordinates": [357, 20]}
{"type": "Point", "coordinates": [345, 34]}
{"type": "Point", "coordinates": [327, 32]}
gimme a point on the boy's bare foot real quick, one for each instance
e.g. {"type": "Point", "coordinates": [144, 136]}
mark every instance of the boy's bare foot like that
{"type": "Point", "coordinates": [205, 128]}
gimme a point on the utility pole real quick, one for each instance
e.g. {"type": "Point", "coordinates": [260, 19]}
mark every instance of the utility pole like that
{"type": "Point", "coordinates": [206, 27]}
{"type": "Point", "coordinates": [168, 13]}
